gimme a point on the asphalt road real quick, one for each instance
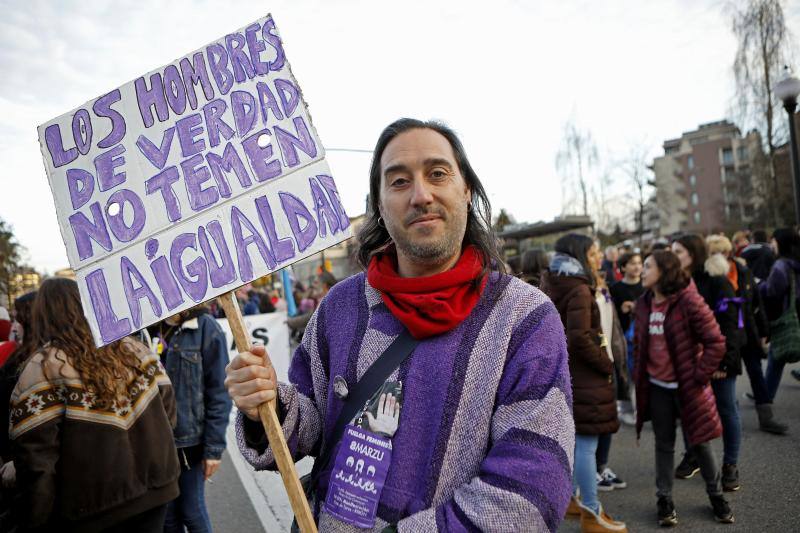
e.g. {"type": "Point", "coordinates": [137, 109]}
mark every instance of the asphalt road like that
{"type": "Point", "coordinates": [769, 500]}
{"type": "Point", "coordinates": [229, 506]}
{"type": "Point", "coordinates": [769, 470]}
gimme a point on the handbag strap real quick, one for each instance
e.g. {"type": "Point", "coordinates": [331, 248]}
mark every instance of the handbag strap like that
{"type": "Point", "coordinates": [366, 387]}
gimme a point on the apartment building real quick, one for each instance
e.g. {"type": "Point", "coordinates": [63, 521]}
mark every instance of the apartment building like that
{"type": "Point", "coordinates": [704, 181]}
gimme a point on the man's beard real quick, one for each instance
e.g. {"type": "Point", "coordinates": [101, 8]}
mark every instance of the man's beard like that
{"type": "Point", "coordinates": [441, 249]}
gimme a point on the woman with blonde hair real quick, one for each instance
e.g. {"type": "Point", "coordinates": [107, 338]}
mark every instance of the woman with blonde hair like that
{"type": "Point", "coordinates": [741, 240]}
{"type": "Point", "coordinates": [91, 428]}
{"type": "Point", "coordinates": [752, 328]}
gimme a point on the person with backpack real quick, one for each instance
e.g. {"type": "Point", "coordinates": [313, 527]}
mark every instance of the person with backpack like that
{"type": "Point", "coordinates": [571, 284]}
{"type": "Point", "coordinates": [709, 275]}
{"type": "Point", "coordinates": [90, 428]}
{"type": "Point", "coordinates": [679, 347]}
{"type": "Point", "coordinates": [780, 302]}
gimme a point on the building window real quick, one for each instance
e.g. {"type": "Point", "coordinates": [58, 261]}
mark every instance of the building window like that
{"type": "Point", "coordinates": [697, 217]}
{"type": "Point", "coordinates": [742, 154]}
{"type": "Point", "coordinates": [692, 180]}
{"type": "Point", "coordinates": [695, 198]}
{"type": "Point", "coordinates": [727, 156]}
{"type": "Point", "coordinates": [690, 162]}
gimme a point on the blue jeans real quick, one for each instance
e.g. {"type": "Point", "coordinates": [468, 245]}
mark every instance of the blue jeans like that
{"type": "Point", "coordinates": [189, 509]}
{"type": "Point", "coordinates": [773, 376]}
{"type": "Point", "coordinates": [728, 408]}
{"type": "Point", "coordinates": [584, 476]}
{"type": "Point", "coordinates": [752, 362]}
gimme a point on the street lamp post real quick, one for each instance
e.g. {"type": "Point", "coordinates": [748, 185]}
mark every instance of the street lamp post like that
{"type": "Point", "coordinates": [787, 90]}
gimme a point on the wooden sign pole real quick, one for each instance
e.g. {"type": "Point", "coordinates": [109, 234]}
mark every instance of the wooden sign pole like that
{"type": "Point", "coordinates": [269, 418]}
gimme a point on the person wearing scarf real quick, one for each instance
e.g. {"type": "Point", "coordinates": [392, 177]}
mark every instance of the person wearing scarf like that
{"type": "Point", "coordinates": [571, 285]}
{"type": "Point", "coordinates": [484, 438]}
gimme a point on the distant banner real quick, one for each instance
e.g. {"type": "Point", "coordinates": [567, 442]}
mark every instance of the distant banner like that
{"type": "Point", "coordinates": [269, 329]}
{"type": "Point", "coordinates": [189, 182]}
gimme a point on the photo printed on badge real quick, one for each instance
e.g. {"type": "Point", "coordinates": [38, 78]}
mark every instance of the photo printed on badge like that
{"type": "Point", "coordinates": [382, 413]}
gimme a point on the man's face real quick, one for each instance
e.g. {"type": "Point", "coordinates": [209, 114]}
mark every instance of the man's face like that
{"type": "Point", "coordinates": [423, 196]}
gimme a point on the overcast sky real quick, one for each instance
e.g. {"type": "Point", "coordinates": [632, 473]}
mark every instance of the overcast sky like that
{"type": "Point", "coordinates": [505, 74]}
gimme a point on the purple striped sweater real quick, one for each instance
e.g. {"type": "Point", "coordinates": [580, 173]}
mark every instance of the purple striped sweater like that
{"type": "Point", "coordinates": [486, 435]}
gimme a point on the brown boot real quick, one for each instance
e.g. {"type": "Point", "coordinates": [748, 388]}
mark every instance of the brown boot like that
{"type": "Point", "coordinates": [592, 522]}
{"type": "Point", "coordinates": [574, 508]}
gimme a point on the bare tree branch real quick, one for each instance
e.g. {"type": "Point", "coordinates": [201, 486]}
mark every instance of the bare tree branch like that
{"type": "Point", "coordinates": [576, 158]}
{"type": "Point", "coordinates": [764, 46]}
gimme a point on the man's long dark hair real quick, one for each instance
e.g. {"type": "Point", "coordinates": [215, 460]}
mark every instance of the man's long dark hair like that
{"type": "Point", "coordinates": [372, 236]}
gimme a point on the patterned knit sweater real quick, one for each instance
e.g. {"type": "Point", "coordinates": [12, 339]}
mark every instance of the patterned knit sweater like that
{"type": "Point", "coordinates": [486, 435]}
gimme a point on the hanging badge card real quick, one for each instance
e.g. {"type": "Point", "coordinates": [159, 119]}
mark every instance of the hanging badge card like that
{"type": "Point", "coordinates": [190, 181]}
{"type": "Point", "coordinates": [358, 475]}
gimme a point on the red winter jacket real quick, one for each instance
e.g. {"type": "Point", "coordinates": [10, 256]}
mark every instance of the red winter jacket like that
{"type": "Point", "coordinates": [696, 347]}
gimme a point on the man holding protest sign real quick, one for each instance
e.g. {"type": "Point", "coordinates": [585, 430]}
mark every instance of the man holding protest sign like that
{"type": "Point", "coordinates": [467, 421]}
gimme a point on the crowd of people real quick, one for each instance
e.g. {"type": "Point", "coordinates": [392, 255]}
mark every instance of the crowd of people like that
{"type": "Point", "coordinates": [480, 399]}
{"type": "Point", "coordinates": [669, 331]}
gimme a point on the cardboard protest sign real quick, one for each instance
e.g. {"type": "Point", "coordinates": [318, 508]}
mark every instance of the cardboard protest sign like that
{"type": "Point", "coordinates": [189, 181]}
{"type": "Point", "coordinates": [267, 329]}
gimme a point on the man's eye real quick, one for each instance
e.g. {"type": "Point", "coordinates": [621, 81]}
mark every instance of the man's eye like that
{"type": "Point", "coordinates": [438, 174]}
{"type": "Point", "coordinates": [399, 182]}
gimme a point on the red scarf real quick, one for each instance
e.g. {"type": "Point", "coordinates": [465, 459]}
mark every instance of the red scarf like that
{"type": "Point", "coordinates": [429, 305]}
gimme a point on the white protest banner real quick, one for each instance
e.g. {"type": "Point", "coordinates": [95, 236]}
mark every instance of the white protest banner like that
{"type": "Point", "coordinates": [270, 330]}
{"type": "Point", "coordinates": [190, 181]}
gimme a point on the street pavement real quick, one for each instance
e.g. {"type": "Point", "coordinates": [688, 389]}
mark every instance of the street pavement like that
{"type": "Point", "coordinates": [769, 471]}
{"type": "Point", "coordinates": [242, 501]}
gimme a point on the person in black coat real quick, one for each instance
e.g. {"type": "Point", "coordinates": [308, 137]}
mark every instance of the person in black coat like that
{"type": "Point", "coordinates": [710, 277]}
{"type": "Point", "coordinates": [753, 319]}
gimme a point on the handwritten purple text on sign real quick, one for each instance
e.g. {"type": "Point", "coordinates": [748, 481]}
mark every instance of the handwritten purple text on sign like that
{"type": "Point", "coordinates": [190, 181]}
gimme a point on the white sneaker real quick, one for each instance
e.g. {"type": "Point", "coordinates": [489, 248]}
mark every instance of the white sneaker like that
{"type": "Point", "coordinates": [603, 484]}
{"type": "Point", "coordinates": [629, 419]}
{"type": "Point", "coordinates": [610, 478]}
